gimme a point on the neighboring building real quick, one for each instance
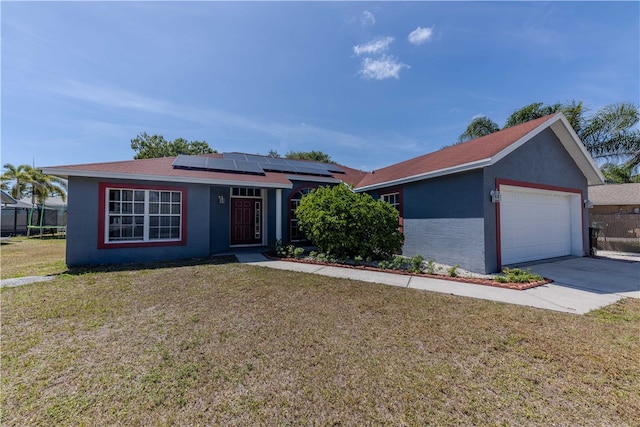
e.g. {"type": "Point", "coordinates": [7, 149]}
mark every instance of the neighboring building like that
{"type": "Point", "coordinates": [615, 199]}
{"type": "Point", "coordinates": [15, 217]}
{"type": "Point", "coordinates": [615, 214]}
{"type": "Point", "coordinates": [513, 196]}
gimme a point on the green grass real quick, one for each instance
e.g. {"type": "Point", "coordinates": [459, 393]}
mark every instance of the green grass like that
{"type": "Point", "coordinates": [231, 344]}
{"type": "Point", "coordinates": [22, 256]}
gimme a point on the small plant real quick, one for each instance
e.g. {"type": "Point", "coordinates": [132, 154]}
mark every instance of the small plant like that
{"type": "Point", "coordinates": [313, 255]}
{"type": "Point", "coordinates": [416, 264]}
{"type": "Point", "coordinates": [385, 265]}
{"type": "Point", "coordinates": [358, 258]}
{"type": "Point", "coordinates": [431, 267]}
{"type": "Point", "coordinates": [399, 263]}
{"type": "Point", "coordinates": [516, 275]}
{"type": "Point", "coordinates": [453, 271]}
{"type": "Point", "coordinates": [297, 252]}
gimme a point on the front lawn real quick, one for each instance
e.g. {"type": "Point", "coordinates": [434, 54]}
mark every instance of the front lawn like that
{"type": "Point", "coordinates": [231, 344]}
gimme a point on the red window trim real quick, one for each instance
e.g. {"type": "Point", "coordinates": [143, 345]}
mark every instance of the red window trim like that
{"type": "Point", "coordinates": [102, 187]}
{"type": "Point", "coordinates": [501, 181]}
{"type": "Point", "coordinates": [398, 190]}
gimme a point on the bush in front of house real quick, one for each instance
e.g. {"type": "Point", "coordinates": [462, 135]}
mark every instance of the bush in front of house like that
{"type": "Point", "coordinates": [346, 224]}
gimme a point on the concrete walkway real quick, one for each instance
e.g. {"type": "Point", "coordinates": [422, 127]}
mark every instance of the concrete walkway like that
{"type": "Point", "coordinates": [554, 296]}
{"type": "Point", "coordinates": [19, 281]}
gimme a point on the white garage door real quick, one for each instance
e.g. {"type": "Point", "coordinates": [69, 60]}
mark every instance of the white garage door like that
{"type": "Point", "coordinates": [538, 224]}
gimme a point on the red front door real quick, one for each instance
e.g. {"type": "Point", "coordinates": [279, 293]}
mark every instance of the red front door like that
{"type": "Point", "coordinates": [246, 221]}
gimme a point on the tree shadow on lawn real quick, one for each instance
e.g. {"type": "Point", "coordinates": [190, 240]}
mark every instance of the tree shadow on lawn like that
{"type": "Point", "coordinates": [152, 265]}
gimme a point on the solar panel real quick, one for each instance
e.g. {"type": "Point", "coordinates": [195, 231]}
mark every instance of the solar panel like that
{"type": "Point", "coordinates": [255, 164]}
{"type": "Point", "coordinates": [190, 162]}
{"type": "Point", "coordinates": [239, 166]}
{"type": "Point", "coordinates": [215, 164]}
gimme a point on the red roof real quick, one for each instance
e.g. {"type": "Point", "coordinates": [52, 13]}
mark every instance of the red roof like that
{"type": "Point", "coordinates": [162, 169]}
{"type": "Point", "coordinates": [465, 156]}
{"type": "Point", "coordinates": [468, 152]}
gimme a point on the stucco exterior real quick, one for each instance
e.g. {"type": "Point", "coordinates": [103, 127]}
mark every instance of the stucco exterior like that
{"type": "Point", "coordinates": [82, 227]}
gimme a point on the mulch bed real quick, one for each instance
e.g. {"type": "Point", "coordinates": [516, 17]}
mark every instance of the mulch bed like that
{"type": "Point", "coordinates": [470, 280]}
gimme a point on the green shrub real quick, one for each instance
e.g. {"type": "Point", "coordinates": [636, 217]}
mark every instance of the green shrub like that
{"type": "Point", "coordinates": [345, 224]}
{"type": "Point", "coordinates": [453, 271]}
{"type": "Point", "coordinates": [431, 268]}
{"type": "Point", "coordinates": [416, 264]}
{"type": "Point", "coordinates": [516, 275]}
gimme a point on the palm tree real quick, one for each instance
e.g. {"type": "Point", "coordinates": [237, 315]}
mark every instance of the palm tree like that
{"type": "Point", "coordinates": [43, 186]}
{"type": "Point", "coordinates": [619, 174]}
{"type": "Point", "coordinates": [17, 175]}
{"type": "Point", "coordinates": [26, 180]}
{"type": "Point", "coordinates": [610, 133]}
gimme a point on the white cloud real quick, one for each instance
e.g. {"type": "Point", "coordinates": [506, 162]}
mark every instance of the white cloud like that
{"type": "Point", "coordinates": [478, 116]}
{"type": "Point", "coordinates": [420, 35]}
{"type": "Point", "coordinates": [381, 68]}
{"type": "Point", "coordinates": [373, 47]}
{"type": "Point", "coordinates": [367, 18]}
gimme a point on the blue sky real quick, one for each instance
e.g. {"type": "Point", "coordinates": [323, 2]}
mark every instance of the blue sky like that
{"type": "Point", "coordinates": [368, 83]}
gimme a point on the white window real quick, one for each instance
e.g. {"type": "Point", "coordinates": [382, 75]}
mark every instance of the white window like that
{"type": "Point", "coordinates": [137, 215]}
{"type": "Point", "coordinates": [392, 198]}
{"type": "Point", "coordinates": [245, 192]}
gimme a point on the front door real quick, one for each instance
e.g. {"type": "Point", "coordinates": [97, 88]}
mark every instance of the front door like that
{"type": "Point", "coordinates": [246, 221]}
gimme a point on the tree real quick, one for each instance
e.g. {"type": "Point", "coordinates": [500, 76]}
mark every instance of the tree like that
{"type": "Point", "coordinates": [273, 153]}
{"type": "Point", "coordinates": [15, 179]}
{"type": "Point", "coordinates": [316, 156]}
{"type": "Point", "coordinates": [24, 180]}
{"type": "Point", "coordinates": [346, 224]}
{"type": "Point", "coordinates": [610, 133]}
{"type": "Point", "coordinates": [480, 126]}
{"type": "Point", "coordinates": [154, 146]}
{"type": "Point", "coordinates": [619, 174]}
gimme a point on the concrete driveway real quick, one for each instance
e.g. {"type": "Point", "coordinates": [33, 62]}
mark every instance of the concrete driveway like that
{"type": "Point", "coordinates": [584, 284]}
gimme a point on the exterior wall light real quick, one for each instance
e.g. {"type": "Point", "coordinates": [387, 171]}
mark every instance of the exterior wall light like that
{"type": "Point", "coordinates": [221, 198]}
{"type": "Point", "coordinates": [496, 197]}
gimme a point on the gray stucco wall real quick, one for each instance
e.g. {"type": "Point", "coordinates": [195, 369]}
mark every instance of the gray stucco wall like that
{"type": "Point", "coordinates": [443, 219]}
{"type": "Point", "coordinates": [219, 219]}
{"type": "Point", "coordinates": [82, 227]}
{"type": "Point", "coordinates": [543, 160]}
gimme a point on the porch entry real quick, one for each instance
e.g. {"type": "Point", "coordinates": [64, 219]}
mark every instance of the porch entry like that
{"type": "Point", "coordinates": [246, 221]}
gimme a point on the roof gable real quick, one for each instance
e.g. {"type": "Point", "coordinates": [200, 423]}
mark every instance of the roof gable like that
{"type": "Point", "coordinates": [482, 152]}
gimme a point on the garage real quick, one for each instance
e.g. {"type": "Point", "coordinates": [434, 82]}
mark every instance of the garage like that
{"type": "Point", "coordinates": [539, 223]}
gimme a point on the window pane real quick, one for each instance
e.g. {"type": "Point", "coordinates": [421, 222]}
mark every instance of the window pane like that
{"type": "Point", "coordinates": [139, 220]}
{"type": "Point", "coordinates": [138, 232]}
{"type": "Point", "coordinates": [154, 208]}
{"type": "Point", "coordinates": [138, 208]}
{"type": "Point", "coordinates": [114, 207]}
{"type": "Point", "coordinates": [175, 197]}
{"type": "Point", "coordinates": [154, 221]}
{"type": "Point", "coordinates": [165, 221]}
{"type": "Point", "coordinates": [165, 209]}
{"type": "Point", "coordinates": [175, 232]}
{"type": "Point", "coordinates": [175, 209]}
{"type": "Point", "coordinates": [139, 196]}
{"type": "Point", "coordinates": [127, 220]}
{"type": "Point", "coordinates": [114, 195]}
{"type": "Point", "coordinates": [127, 208]}
{"type": "Point", "coordinates": [175, 221]}
{"type": "Point", "coordinates": [153, 233]}
{"type": "Point", "coordinates": [165, 196]}
{"type": "Point", "coordinates": [154, 196]}
{"type": "Point", "coordinates": [127, 195]}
